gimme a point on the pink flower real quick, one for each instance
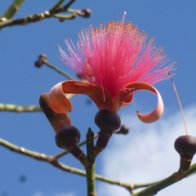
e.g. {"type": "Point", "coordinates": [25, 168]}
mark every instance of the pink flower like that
{"type": "Point", "coordinates": [114, 61]}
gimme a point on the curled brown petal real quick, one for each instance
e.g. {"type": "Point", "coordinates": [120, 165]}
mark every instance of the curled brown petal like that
{"type": "Point", "coordinates": [158, 111]}
{"type": "Point", "coordinates": [60, 103]}
{"type": "Point", "coordinates": [57, 120]}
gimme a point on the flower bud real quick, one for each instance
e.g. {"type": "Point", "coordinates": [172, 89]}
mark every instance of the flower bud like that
{"type": "Point", "coordinates": [185, 145]}
{"type": "Point", "coordinates": [41, 60]}
{"type": "Point", "coordinates": [85, 13]}
{"type": "Point", "coordinates": [107, 120]}
{"type": "Point", "coordinates": [61, 19]}
{"type": "Point", "coordinates": [68, 137]}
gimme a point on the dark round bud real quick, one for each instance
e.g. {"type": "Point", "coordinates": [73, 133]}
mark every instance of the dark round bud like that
{"type": "Point", "coordinates": [38, 64]}
{"type": "Point", "coordinates": [85, 13]}
{"type": "Point", "coordinates": [67, 137]}
{"type": "Point", "coordinates": [42, 59]}
{"type": "Point", "coordinates": [185, 145]}
{"type": "Point", "coordinates": [61, 19]}
{"type": "Point", "coordinates": [107, 120]}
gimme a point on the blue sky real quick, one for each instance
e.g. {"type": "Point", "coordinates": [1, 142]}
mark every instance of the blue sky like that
{"type": "Point", "coordinates": [171, 23]}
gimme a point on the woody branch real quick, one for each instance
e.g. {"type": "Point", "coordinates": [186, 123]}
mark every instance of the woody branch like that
{"type": "Point", "coordinates": [53, 160]}
{"type": "Point", "coordinates": [54, 12]}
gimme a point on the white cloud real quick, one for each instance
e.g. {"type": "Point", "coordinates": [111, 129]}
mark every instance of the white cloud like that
{"type": "Point", "coordinates": [65, 194]}
{"type": "Point", "coordinates": [39, 193]}
{"type": "Point", "coordinates": [147, 154]}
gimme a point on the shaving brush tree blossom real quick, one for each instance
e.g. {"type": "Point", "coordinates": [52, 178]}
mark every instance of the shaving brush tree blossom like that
{"type": "Point", "coordinates": [114, 61]}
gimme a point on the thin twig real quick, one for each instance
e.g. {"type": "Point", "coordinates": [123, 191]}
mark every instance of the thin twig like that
{"type": "Point", "coordinates": [65, 7]}
{"type": "Point", "coordinates": [53, 161]}
{"type": "Point", "coordinates": [157, 186]}
{"type": "Point", "coordinates": [63, 17]}
{"type": "Point", "coordinates": [41, 16]}
{"type": "Point", "coordinates": [22, 108]}
{"type": "Point", "coordinates": [12, 9]}
{"type": "Point", "coordinates": [56, 6]}
{"type": "Point", "coordinates": [19, 108]}
{"type": "Point", "coordinates": [26, 20]}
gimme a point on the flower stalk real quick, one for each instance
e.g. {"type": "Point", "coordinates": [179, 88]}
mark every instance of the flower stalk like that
{"type": "Point", "coordinates": [102, 141]}
{"type": "Point", "coordinates": [43, 60]}
{"type": "Point", "coordinates": [90, 169]}
{"type": "Point", "coordinates": [79, 154]}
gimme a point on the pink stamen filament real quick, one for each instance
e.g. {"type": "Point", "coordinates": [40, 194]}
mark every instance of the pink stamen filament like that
{"type": "Point", "coordinates": [124, 15]}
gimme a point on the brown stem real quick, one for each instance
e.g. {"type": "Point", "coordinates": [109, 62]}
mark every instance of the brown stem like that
{"type": "Point", "coordinates": [78, 154]}
{"type": "Point", "coordinates": [102, 141]}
